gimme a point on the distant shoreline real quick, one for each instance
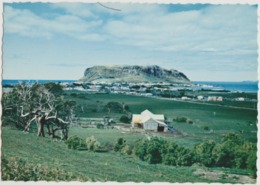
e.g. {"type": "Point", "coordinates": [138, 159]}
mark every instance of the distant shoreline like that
{"type": "Point", "coordinates": [243, 86]}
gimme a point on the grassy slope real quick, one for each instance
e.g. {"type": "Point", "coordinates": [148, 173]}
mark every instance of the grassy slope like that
{"type": "Point", "coordinates": [96, 166]}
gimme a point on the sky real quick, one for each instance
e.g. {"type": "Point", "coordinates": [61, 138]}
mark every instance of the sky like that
{"type": "Point", "coordinates": [60, 40]}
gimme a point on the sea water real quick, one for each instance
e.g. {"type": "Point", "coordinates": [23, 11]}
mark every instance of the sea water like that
{"type": "Point", "coordinates": [16, 82]}
{"type": "Point", "coordinates": [247, 86]}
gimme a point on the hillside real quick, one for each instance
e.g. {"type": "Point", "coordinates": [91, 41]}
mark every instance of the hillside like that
{"type": "Point", "coordinates": [127, 73]}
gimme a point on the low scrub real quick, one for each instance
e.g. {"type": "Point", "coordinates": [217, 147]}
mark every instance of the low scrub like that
{"type": "Point", "coordinates": [76, 143]}
{"type": "Point", "coordinates": [92, 144]}
{"type": "Point", "coordinates": [123, 147]}
{"type": "Point", "coordinates": [16, 169]}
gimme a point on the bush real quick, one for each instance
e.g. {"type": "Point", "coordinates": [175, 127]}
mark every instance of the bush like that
{"type": "Point", "coordinates": [16, 169]}
{"type": "Point", "coordinates": [127, 150]}
{"type": "Point", "coordinates": [140, 149]}
{"type": "Point", "coordinates": [124, 119]}
{"type": "Point", "coordinates": [100, 126]}
{"type": "Point", "coordinates": [120, 144]}
{"type": "Point", "coordinates": [92, 144]}
{"type": "Point", "coordinates": [206, 128]}
{"type": "Point", "coordinates": [203, 153]}
{"type": "Point", "coordinates": [180, 119]}
{"type": "Point", "coordinates": [75, 142]}
{"type": "Point", "coordinates": [251, 163]}
{"type": "Point", "coordinates": [224, 153]}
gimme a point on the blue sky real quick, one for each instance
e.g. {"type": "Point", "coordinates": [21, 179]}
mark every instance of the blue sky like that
{"type": "Point", "coordinates": [60, 40]}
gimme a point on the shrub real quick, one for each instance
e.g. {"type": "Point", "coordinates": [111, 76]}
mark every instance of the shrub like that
{"type": "Point", "coordinates": [124, 119]}
{"type": "Point", "coordinates": [127, 150]}
{"type": "Point", "coordinates": [16, 169]}
{"type": "Point", "coordinates": [150, 150]}
{"type": "Point", "coordinates": [100, 126]}
{"type": "Point", "coordinates": [75, 142]}
{"type": "Point", "coordinates": [224, 152]}
{"type": "Point", "coordinates": [140, 149]}
{"type": "Point", "coordinates": [92, 144]}
{"type": "Point", "coordinates": [251, 163]}
{"type": "Point", "coordinates": [180, 119]}
{"type": "Point", "coordinates": [153, 151]}
{"type": "Point", "coordinates": [184, 157]}
{"type": "Point", "coordinates": [206, 128]}
{"type": "Point", "coordinates": [190, 121]}
{"type": "Point", "coordinates": [203, 153]}
{"type": "Point", "coordinates": [120, 144]}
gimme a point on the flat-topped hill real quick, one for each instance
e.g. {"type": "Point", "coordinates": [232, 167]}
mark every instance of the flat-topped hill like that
{"type": "Point", "coordinates": [135, 74]}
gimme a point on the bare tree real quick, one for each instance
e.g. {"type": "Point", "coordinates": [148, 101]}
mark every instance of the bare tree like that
{"type": "Point", "coordinates": [28, 104]}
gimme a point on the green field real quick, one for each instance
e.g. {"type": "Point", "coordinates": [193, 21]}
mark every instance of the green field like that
{"type": "Point", "coordinates": [221, 120]}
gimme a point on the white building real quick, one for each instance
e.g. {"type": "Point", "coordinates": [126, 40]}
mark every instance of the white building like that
{"type": "Point", "coordinates": [149, 121]}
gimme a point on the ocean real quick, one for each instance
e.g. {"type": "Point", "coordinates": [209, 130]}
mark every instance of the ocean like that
{"type": "Point", "coordinates": [16, 82]}
{"type": "Point", "coordinates": [246, 86]}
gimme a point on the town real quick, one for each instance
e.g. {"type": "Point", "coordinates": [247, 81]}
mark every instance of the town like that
{"type": "Point", "coordinates": [185, 92]}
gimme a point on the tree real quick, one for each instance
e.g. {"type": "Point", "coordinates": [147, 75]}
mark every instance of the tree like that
{"type": "Point", "coordinates": [203, 153]}
{"type": "Point", "coordinates": [40, 104]}
{"type": "Point", "coordinates": [124, 119]}
{"type": "Point", "coordinates": [224, 152]}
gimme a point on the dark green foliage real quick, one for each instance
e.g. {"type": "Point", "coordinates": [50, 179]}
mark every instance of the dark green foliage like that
{"type": "Point", "coordinates": [16, 169]}
{"type": "Point", "coordinates": [184, 157]}
{"type": "Point", "coordinates": [180, 119]}
{"type": "Point", "coordinates": [114, 107]}
{"type": "Point", "coordinates": [251, 163]}
{"type": "Point", "coordinates": [122, 147]}
{"type": "Point", "coordinates": [121, 142]}
{"type": "Point", "coordinates": [206, 128]}
{"type": "Point", "coordinates": [54, 88]}
{"type": "Point", "coordinates": [203, 153]}
{"type": "Point", "coordinates": [100, 126]}
{"type": "Point", "coordinates": [224, 152]}
{"type": "Point", "coordinates": [158, 150]}
{"type": "Point", "coordinates": [124, 119]}
{"type": "Point", "coordinates": [75, 143]}
{"type": "Point", "coordinates": [140, 149]}
{"type": "Point", "coordinates": [154, 151]}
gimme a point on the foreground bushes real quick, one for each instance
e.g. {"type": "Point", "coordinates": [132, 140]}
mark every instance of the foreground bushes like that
{"type": "Point", "coordinates": [157, 150]}
{"type": "Point", "coordinates": [91, 144]}
{"type": "Point", "coordinates": [17, 169]}
{"type": "Point", "coordinates": [231, 152]}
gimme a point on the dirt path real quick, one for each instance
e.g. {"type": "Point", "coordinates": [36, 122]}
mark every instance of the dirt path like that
{"type": "Point", "coordinates": [217, 175]}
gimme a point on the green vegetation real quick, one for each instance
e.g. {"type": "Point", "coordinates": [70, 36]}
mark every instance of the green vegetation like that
{"type": "Point", "coordinates": [220, 120]}
{"type": "Point", "coordinates": [94, 166]}
{"type": "Point", "coordinates": [95, 154]}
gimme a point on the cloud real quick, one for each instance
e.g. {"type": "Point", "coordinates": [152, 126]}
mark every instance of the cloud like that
{"type": "Point", "coordinates": [210, 38]}
{"type": "Point", "coordinates": [216, 27]}
{"type": "Point", "coordinates": [26, 23]}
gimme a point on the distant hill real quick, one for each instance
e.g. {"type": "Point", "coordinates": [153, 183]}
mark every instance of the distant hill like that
{"type": "Point", "coordinates": [135, 73]}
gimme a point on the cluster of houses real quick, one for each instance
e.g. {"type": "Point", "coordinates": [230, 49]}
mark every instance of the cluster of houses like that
{"type": "Point", "coordinates": [157, 89]}
{"type": "Point", "coordinates": [125, 87]}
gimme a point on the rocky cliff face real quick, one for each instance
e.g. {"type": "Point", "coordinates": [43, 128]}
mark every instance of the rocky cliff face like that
{"type": "Point", "coordinates": [134, 73]}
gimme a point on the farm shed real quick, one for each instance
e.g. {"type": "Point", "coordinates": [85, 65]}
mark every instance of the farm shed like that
{"type": "Point", "coordinates": [149, 121]}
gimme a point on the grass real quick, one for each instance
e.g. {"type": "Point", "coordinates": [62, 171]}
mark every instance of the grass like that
{"type": "Point", "coordinates": [221, 120]}
{"type": "Point", "coordinates": [113, 166]}
{"type": "Point", "coordinates": [109, 166]}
